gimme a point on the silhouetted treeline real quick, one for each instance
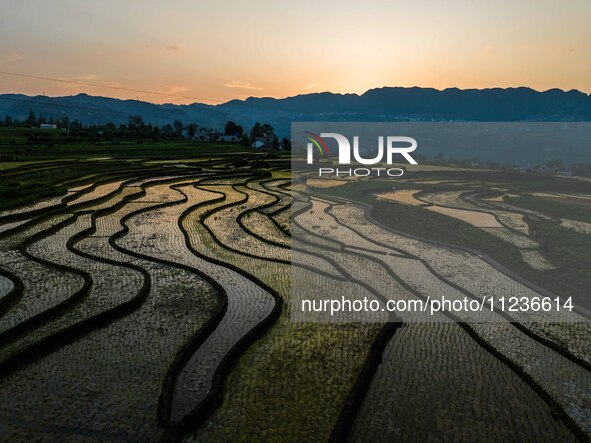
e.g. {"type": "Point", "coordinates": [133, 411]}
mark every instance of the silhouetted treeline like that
{"type": "Point", "coordinates": [135, 129]}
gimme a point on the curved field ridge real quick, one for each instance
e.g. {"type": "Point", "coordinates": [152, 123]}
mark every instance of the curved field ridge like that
{"type": "Point", "coordinates": [8, 288]}
{"type": "Point", "coordinates": [152, 303]}
{"type": "Point", "coordinates": [76, 279]}
{"type": "Point", "coordinates": [536, 361]}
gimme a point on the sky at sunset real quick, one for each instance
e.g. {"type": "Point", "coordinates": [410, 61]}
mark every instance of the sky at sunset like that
{"type": "Point", "coordinates": [212, 51]}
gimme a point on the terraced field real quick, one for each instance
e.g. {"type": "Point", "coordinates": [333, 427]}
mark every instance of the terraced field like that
{"type": "Point", "coordinates": [155, 304]}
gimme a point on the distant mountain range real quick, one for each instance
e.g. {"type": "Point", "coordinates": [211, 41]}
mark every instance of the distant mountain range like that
{"type": "Point", "coordinates": [381, 104]}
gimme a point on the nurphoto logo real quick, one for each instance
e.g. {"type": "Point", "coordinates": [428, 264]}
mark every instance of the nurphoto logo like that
{"type": "Point", "coordinates": [400, 145]}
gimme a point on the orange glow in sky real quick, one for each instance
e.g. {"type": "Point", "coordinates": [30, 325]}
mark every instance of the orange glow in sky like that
{"type": "Point", "coordinates": [212, 51]}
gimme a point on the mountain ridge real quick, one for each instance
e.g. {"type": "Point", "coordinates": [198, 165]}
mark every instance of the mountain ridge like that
{"type": "Point", "coordinates": [376, 104]}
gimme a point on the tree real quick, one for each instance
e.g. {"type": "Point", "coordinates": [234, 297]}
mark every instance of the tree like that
{"type": "Point", "coordinates": [286, 144]}
{"type": "Point", "coordinates": [136, 120]}
{"type": "Point", "coordinates": [110, 128]}
{"type": "Point", "coordinates": [31, 119]}
{"type": "Point", "coordinates": [65, 122]}
{"type": "Point", "coordinates": [192, 129]}
{"type": "Point", "coordinates": [178, 127]}
{"type": "Point", "coordinates": [256, 131]}
{"type": "Point", "coordinates": [167, 129]}
{"type": "Point", "coordinates": [136, 125]}
{"type": "Point", "coordinates": [267, 129]}
{"type": "Point", "coordinates": [232, 128]}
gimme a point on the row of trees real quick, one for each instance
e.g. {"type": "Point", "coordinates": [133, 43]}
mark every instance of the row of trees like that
{"type": "Point", "coordinates": [264, 132]}
{"type": "Point", "coordinates": [135, 126]}
{"type": "Point", "coordinates": [137, 129]}
{"type": "Point", "coordinates": [32, 121]}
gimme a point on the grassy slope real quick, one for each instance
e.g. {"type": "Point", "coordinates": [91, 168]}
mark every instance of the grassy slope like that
{"type": "Point", "coordinates": [20, 188]}
{"type": "Point", "coordinates": [21, 183]}
{"type": "Point", "coordinates": [54, 144]}
{"type": "Point", "coordinates": [566, 249]}
{"type": "Point", "coordinates": [575, 208]}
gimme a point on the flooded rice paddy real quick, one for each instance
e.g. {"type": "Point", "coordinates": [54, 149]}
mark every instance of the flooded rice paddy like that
{"type": "Point", "coordinates": [159, 307]}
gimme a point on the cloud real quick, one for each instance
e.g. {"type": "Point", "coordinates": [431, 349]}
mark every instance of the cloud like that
{"type": "Point", "coordinates": [310, 86]}
{"type": "Point", "coordinates": [175, 89]}
{"type": "Point", "coordinates": [235, 84]}
{"type": "Point", "coordinates": [11, 58]}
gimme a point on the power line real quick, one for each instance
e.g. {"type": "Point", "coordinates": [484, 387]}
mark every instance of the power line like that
{"type": "Point", "coordinates": [108, 111]}
{"type": "Point", "coordinates": [119, 88]}
{"type": "Point", "coordinates": [78, 82]}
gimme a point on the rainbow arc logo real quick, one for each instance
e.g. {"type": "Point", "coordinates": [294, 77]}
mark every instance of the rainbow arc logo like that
{"type": "Point", "coordinates": [319, 143]}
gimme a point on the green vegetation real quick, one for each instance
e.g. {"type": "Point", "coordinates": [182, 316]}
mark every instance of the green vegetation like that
{"type": "Point", "coordinates": [566, 249]}
{"type": "Point", "coordinates": [417, 221]}
{"type": "Point", "coordinates": [17, 144]}
{"type": "Point", "coordinates": [20, 186]}
{"type": "Point", "coordinates": [217, 355]}
{"type": "Point", "coordinates": [569, 251]}
{"type": "Point", "coordinates": [575, 208]}
{"type": "Point", "coordinates": [25, 141]}
{"type": "Point", "coordinates": [35, 163]}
